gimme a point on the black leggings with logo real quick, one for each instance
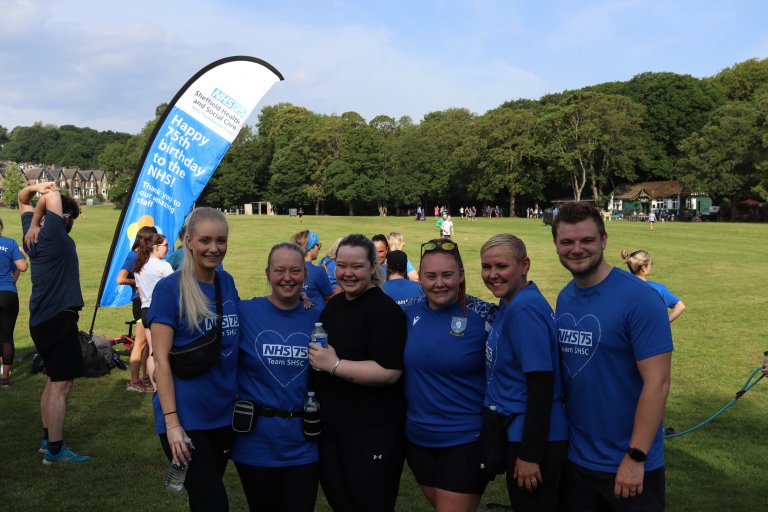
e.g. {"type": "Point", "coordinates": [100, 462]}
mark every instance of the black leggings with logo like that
{"type": "Point", "coordinates": [204, 481]}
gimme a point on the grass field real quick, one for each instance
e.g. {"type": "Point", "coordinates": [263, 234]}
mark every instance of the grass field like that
{"type": "Point", "coordinates": [718, 270]}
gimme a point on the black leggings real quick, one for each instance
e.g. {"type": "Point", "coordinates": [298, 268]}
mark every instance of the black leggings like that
{"type": "Point", "coordinates": [280, 489]}
{"type": "Point", "coordinates": [360, 468]}
{"type": "Point", "coordinates": [9, 311]}
{"type": "Point", "coordinates": [204, 484]}
{"type": "Point", "coordinates": [546, 497]}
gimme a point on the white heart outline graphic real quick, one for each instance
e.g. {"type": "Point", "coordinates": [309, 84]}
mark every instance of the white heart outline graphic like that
{"type": "Point", "coordinates": [285, 341]}
{"type": "Point", "coordinates": [575, 326]}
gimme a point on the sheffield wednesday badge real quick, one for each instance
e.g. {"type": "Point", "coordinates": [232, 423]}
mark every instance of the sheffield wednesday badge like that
{"type": "Point", "coordinates": [458, 325]}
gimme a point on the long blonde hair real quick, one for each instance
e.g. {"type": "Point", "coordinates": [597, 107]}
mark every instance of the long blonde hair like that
{"type": "Point", "coordinates": [395, 241]}
{"type": "Point", "coordinates": [192, 301]}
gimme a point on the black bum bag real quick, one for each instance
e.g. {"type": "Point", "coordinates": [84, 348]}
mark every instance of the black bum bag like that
{"type": "Point", "coordinates": [199, 356]}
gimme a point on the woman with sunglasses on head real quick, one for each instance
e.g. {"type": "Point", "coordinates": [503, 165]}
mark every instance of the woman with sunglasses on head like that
{"type": "Point", "coordinates": [193, 411]}
{"type": "Point", "coordinates": [523, 376]}
{"type": "Point", "coordinates": [278, 466]}
{"type": "Point", "coordinates": [361, 400]}
{"type": "Point", "coordinates": [640, 264]}
{"type": "Point", "coordinates": [317, 286]}
{"type": "Point", "coordinates": [444, 379]}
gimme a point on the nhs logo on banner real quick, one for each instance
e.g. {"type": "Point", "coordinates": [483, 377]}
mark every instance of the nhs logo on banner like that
{"type": "Point", "coordinates": [228, 102]}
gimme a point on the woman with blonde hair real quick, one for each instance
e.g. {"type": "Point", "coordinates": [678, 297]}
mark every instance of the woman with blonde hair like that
{"type": "Point", "coordinates": [640, 264]}
{"type": "Point", "coordinates": [397, 243]}
{"type": "Point", "coordinates": [523, 376]}
{"type": "Point", "coordinates": [193, 410]}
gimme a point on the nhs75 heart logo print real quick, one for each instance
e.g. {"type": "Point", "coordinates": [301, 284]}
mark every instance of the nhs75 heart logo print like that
{"type": "Point", "coordinates": [579, 341]}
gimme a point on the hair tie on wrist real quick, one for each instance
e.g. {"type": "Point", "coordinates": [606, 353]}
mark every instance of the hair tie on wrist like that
{"type": "Point", "coordinates": [169, 413]}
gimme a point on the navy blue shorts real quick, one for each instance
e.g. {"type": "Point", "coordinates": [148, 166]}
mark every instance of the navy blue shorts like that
{"type": "Point", "coordinates": [453, 468]}
{"type": "Point", "coordinates": [58, 342]}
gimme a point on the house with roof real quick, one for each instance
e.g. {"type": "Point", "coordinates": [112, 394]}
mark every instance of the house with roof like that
{"type": "Point", "coordinates": [658, 196]}
{"type": "Point", "coordinates": [81, 184]}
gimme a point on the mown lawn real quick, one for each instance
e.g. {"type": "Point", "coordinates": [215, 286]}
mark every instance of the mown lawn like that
{"type": "Point", "coordinates": [719, 270]}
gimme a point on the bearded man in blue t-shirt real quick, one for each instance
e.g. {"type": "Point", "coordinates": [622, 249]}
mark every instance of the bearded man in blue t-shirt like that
{"type": "Point", "coordinates": [615, 351]}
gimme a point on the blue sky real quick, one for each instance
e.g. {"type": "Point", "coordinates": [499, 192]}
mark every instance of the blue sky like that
{"type": "Point", "coordinates": [108, 64]}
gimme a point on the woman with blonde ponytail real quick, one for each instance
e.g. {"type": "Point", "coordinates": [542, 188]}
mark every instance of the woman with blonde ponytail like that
{"type": "Point", "coordinates": [193, 415]}
{"type": "Point", "coordinates": [640, 264]}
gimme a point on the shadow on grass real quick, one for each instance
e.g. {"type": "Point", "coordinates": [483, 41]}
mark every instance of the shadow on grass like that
{"type": "Point", "coordinates": [721, 466]}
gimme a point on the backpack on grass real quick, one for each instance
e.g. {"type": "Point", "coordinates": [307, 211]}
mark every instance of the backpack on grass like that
{"type": "Point", "coordinates": [98, 355]}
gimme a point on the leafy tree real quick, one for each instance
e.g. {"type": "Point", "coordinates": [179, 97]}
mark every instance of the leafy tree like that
{"type": "Point", "coordinates": [506, 155]}
{"type": "Point", "coordinates": [591, 138]}
{"type": "Point", "coordinates": [357, 178]}
{"type": "Point", "coordinates": [741, 81]}
{"type": "Point", "coordinates": [3, 136]}
{"type": "Point", "coordinates": [408, 181]}
{"type": "Point", "coordinates": [242, 175]}
{"type": "Point", "coordinates": [14, 182]}
{"type": "Point", "coordinates": [288, 173]}
{"type": "Point", "coordinates": [728, 157]}
{"type": "Point", "coordinates": [443, 135]}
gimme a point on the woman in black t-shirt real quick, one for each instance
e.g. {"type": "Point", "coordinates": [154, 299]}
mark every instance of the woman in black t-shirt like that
{"type": "Point", "coordinates": [361, 397]}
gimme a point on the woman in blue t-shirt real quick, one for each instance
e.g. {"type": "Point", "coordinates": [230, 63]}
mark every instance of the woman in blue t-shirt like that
{"type": "Point", "coordinates": [444, 375]}
{"type": "Point", "coordinates": [12, 261]}
{"type": "Point", "coordinates": [640, 264]}
{"type": "Point", "coordinates": [278, 466]}
{"type": "Point", "coordinates": [198, 408]}
{"type": "Point", "coordinates": [523, 376]}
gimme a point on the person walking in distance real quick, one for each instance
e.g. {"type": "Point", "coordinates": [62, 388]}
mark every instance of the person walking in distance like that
{"type": "Point", "coordinates": [616, 348]}
{"type": "Point", "coordinates": [54, 304]}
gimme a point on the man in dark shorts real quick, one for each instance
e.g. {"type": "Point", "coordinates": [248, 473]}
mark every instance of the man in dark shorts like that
{"type": "Point", "coordinates": [53, 307]}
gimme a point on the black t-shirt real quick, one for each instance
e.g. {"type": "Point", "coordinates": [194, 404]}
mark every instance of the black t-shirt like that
{"type": "Point", "coordinates": [55, 269]}
{"type": "Point", "coordinates": [371, 327]}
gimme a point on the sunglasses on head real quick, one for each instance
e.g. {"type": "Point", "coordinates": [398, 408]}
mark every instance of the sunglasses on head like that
{"type": "Point", "coordinates": [443, 246]}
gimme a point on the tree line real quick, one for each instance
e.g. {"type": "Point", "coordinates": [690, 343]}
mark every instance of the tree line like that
{"type": "Point", "coordinates": [710, 133]}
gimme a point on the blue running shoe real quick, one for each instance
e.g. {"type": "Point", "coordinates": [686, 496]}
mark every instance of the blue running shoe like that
{"type": "Point", "coordinates": [65, 455]}
{"type": "Point", "coordinates": [43, 446]}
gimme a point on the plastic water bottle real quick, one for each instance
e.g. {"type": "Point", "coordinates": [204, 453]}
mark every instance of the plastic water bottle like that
{"type": "Point", "coordinates": [174, 480]}
{"type": "Point", "coordinates": [311, 417]}
{"type": "Point", "coordinates": [319, 335]}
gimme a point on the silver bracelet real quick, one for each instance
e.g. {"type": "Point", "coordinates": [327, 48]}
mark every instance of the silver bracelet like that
{"type": "Point", "coordinates": [335, 367]}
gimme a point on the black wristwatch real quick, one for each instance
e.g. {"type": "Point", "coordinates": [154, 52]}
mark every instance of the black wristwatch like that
{"type": "Point", "coordinates": [637, 455]}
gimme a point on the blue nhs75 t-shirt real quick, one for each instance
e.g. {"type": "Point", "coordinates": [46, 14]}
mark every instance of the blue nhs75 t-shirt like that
{"type": "Point", "coordinates": [273, 372]}
{"type": "Point", "coordinates": [206, 401]}
{"type": "Point", "coordinates": [604, 330]}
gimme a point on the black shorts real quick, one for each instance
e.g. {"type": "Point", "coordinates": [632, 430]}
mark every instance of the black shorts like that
{"type": "Point", "coordinates": [136, 305]}
{"type": "Point", "coordinates": [586, 490]}
{"type": "Point", "coordinates": [144, 313]}
{"type": "Point", "coordinates": [454, 468]}
{"type": "Point", "coordinates": [58, 342]}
